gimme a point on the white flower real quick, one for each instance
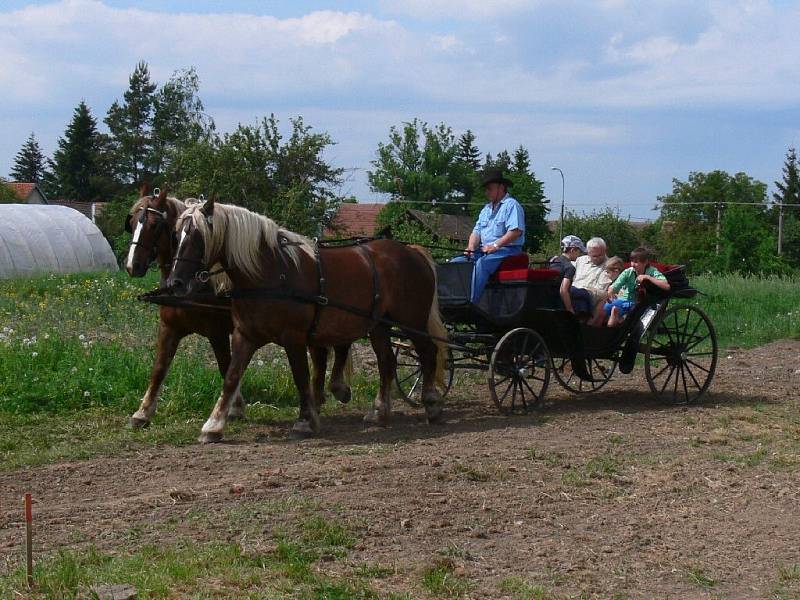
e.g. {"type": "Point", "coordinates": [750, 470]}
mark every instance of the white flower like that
{"type": "Point", "coordinates": [81, 337]}
{"type": "Point", "coordinates": [34, 354]}
{"type": "Point", "coordinates": [74, 369]}
{"type": "Point", "coordinates": [260, 362]}
{"type": "Point", "coordinates": [86, 394]}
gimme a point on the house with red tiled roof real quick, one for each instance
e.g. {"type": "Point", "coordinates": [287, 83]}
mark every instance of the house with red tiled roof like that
{"type": "Point", "coordinates": [354, 220]}
{"type": "Point", "coordinates": [28, 193]}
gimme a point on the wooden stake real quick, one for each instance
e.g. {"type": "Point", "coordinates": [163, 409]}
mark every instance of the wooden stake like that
{"type": "Point", "coordinates": [29, 539]}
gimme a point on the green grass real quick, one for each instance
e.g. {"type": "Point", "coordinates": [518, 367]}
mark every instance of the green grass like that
{"type": "Point", "coordinates": [76, 353]}
{"type": "Point", "coordinates": [285, 563]}
{"type": "Point", "coordinates": [750, 311]}
{"type": "Point", "coordinates": [440, 580]}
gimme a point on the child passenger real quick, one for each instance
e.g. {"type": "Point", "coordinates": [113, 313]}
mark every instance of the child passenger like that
{"type": "Point", "coordinates": [622, 292]}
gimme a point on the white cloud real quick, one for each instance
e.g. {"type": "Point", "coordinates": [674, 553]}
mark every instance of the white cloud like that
{"type": "Point", "coordinates": [458, 9]}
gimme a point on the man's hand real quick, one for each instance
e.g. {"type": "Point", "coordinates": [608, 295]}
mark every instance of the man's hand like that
{"type": "Point", "coordinates": [489, 248]}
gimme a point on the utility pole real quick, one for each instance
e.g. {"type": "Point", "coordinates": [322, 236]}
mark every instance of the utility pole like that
{"type": "Point", "coordinates": [780, 228]}
{"type": "Point", "coordinates": [719, 223]}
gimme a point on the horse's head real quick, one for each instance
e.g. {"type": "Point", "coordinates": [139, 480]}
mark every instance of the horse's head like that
{"type": "Point", "coordinates": [191, 260]}
{"type": "Point", "coordinates": [150, 224]}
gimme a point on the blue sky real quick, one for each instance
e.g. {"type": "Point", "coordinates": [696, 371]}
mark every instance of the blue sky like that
{"type": "Point", "coordinates": [622, 95]}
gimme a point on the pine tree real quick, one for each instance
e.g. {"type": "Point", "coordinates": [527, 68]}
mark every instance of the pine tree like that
{"type": "Point", "coordinates": [467, 150]}
{"type": "Point", "coordinates": [29, 164]}
{"type": "Point", "coordinates": [76, 161]}
{"type": "Point", "coordinates": [130, 124]}
{"type": "Point", "coordinates": [522, 161]}
{"type": "Point", "coordinates": [789, 189]}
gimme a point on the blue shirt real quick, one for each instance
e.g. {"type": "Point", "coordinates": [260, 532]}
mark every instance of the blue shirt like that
{"type": "Point", "coordinates": [494, 224]}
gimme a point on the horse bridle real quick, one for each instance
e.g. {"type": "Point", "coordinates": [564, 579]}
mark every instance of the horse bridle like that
{"type": "Point", "coordinates": [160, 223]}
{"type": "Point", "coordinates": [203, 275]}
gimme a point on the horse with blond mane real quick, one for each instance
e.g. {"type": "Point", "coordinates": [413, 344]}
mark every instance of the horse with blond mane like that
{"type": "Point", "coordinates": [151, 223]}
{"type": "Point", "coordinates": [288, 291]}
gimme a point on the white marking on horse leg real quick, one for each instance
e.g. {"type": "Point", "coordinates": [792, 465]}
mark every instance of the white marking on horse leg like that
{"type": "Point", "coordinates": [236, 410]}
{"type": "Point", "coordinates": [147, 408]}
{"type": "Point", "coordinates": [132, 249]}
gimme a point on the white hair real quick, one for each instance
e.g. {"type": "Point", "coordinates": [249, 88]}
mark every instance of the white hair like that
{"type": "Point", "coordinates": [596, 242]}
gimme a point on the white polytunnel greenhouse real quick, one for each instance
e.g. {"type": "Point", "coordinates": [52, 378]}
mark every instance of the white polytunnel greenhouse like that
{"type": "Point", "coordinates": [50, 239]}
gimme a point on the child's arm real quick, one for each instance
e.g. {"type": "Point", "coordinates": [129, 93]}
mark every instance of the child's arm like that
{"type": "Point", "coordinates": [659, 283]}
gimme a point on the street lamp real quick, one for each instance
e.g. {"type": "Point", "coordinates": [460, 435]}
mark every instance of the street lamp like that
{"type": "Point", "coordinates": [561, 222]}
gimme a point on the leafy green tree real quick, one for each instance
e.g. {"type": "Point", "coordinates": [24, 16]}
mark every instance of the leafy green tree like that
{"type": "Point", "coordinates": [30, 164]}
{"type": "Point", "coordinates": [179, 119]}
{"type": "Point", "coordinates": [7, 195]}
{"type": "Point", "coordinates": [130, 124]}
{"type": "Point", "coordinates": [691, 212]}
{"type": "Point", "coordinates": [76, 164]}
{"type": "Point", "coordinates": [418, 165]}
{"type": "Point", "coordinates": [619, 235]}
{"type": "Point", "coordinates": [255, 167]}
{"type": "Point", "coordinates": [394, 215]}
{"type": "Point", "coordinates": [748, 242]}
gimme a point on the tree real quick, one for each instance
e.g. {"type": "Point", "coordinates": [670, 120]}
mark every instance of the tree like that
{"type": "Point", "coordinates": [522, 161]}
{"type": "Point", "coordinates": [130, 124]}
{"type": "Point", "coordinates": [419, 166]}
{"type": "Point", "coordinates": [467, 150]}
{"type": "Point", "coordinates": [696, 209]}
{"type": "Point", "coordinates": [30, 163]}
{"type": "Point", "coordinates": [788, 195]}
{"type": "Point", "coordinates": [255, 167]}
{"type": "Point", "coordinates": [77, 159]}
{"type": "Point", "coordinates": [7, 195]}
{"type": "Point", "coordinates": [619, 234]}
{"type": "Point", "coordinates": [178, 119]}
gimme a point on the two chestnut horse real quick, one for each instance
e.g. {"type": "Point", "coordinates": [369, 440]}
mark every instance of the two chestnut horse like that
{"type": "Point", "coordinates": [286, 291]}
{"type": "Point", "coordinates": [151, 221]}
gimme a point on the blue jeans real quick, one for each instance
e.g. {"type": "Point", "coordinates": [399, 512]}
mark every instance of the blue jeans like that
{"type": "Point", "coordinates": [485, 265]}
{"type": "Point", "coordinates": [581, 300]}
{"type": "Point", "coordinates": [623, 306]}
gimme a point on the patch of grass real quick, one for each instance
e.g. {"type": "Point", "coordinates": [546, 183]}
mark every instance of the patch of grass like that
{"type": "Point", "coordinates": [440, 580]}
{"type": "Point", "coordinates": [548, 457]}
{"type": "Point", "coordinates": [472, 473]}
{"type": "Point", "coordinates": [374, 571]}
{"type": "Point", "coordinates": [615, 438]}
{"type": "Point", "coordinates": [698, 577]}
{"type": "Point", "coordinates": [789, 572]}
{"type": "Point", "coordinates": [520, 589]}
{"type": "Point", "coordinates": [752, 310]}
{"type": "Point", "coordinates": [748, 459]}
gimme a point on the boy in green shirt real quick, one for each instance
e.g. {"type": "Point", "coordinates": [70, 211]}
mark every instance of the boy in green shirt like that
{"type": "Point", "coordinates": [622, 293]}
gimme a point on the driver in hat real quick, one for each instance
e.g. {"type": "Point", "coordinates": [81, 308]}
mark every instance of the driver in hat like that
{"type": "Point", "coordinates": [499, 231]}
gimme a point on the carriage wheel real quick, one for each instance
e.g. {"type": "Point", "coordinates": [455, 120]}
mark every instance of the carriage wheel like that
{"type": "Point", "coordinates": [519, 371]}
{"type": "Point", "coordinates": [601, 370]}
{"type": "Point", "coordinates": [409, 373]}
{"type": "Point", "coordinates": [681, 355]}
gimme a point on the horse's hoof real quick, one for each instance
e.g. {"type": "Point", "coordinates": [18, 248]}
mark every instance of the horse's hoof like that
{"type": "Point", "coordinates": [302, 430]}
{"type": "Point", "coordinates": [342, 394]}
{"type": "Point", "coordinates": [137, 423]}
{"type": "Point", "coordinates": [210, 437]}
{"type": "Point", "coordinates": [435, 418]}
{"type": "Point", "coordinates": [373, 417]}
{"type": "Point", "coordinates": [236, 415]}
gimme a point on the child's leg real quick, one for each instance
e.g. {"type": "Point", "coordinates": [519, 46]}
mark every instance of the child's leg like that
{"type": "Point", "coordinates": [613, 320]}
{"type": "Point", "coordinates": [598, 315]}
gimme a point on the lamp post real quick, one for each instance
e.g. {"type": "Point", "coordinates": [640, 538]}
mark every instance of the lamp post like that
{"type": "Point", "coordinates": [561, 221]}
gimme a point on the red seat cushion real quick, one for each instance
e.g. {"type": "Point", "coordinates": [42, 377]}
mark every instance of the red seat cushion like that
{"type": "Point", "coordinates": [517, 261]}
{"type": "Point", "coordinates": [529, 275]}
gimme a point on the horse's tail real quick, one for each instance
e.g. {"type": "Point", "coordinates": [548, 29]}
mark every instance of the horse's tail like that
{"type": "Point", "coordinates": [436, 328]}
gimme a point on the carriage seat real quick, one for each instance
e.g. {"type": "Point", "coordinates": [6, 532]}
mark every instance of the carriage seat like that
{"type": "Point", "coordinates": [510, 263]}
{"type": "Point", "coordinates": [514, 269]}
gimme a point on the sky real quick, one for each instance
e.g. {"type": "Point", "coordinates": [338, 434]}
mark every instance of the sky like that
{"type": "Point", "coordinates": [622, 95]}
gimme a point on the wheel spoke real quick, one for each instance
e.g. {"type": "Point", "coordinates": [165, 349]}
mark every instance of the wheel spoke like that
{"type": "Point", "coordinates": [698, 342]}
{"type": "Point", "coordinates": [657, 375]}
{"type": "Point", "coordinates": [688, 370]}
{"type": "Point", "coordinates": [685, 388]}
{"type": "Point", "coordinates": [522, 395]}
{"type": "Point", "coordinates": [663, 387]}
{"type": "Point", "coordinates": [701, 367]}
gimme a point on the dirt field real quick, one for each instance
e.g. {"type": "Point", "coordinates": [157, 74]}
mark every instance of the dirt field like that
{"type": "Point", "coordinates": [595, 496]}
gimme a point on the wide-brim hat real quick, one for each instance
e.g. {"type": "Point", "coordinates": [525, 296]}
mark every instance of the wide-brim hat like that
{"type": "Point", "coordinates": [495, 175]}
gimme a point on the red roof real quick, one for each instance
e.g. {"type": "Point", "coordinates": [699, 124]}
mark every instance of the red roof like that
{"type": "Point", "coordinates": [22, 190]}
{"type": "Point", "coordinates": [354, 220]}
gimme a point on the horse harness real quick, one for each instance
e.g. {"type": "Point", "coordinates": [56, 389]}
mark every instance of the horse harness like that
{"type": "Point", "coordinates": [160, 223]}
{"type": "Point", "coordinates": [320, 300]}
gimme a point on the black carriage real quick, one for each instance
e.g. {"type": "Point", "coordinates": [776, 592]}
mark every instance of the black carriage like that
{"type": "Point", "coordinates": [520, 335]}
